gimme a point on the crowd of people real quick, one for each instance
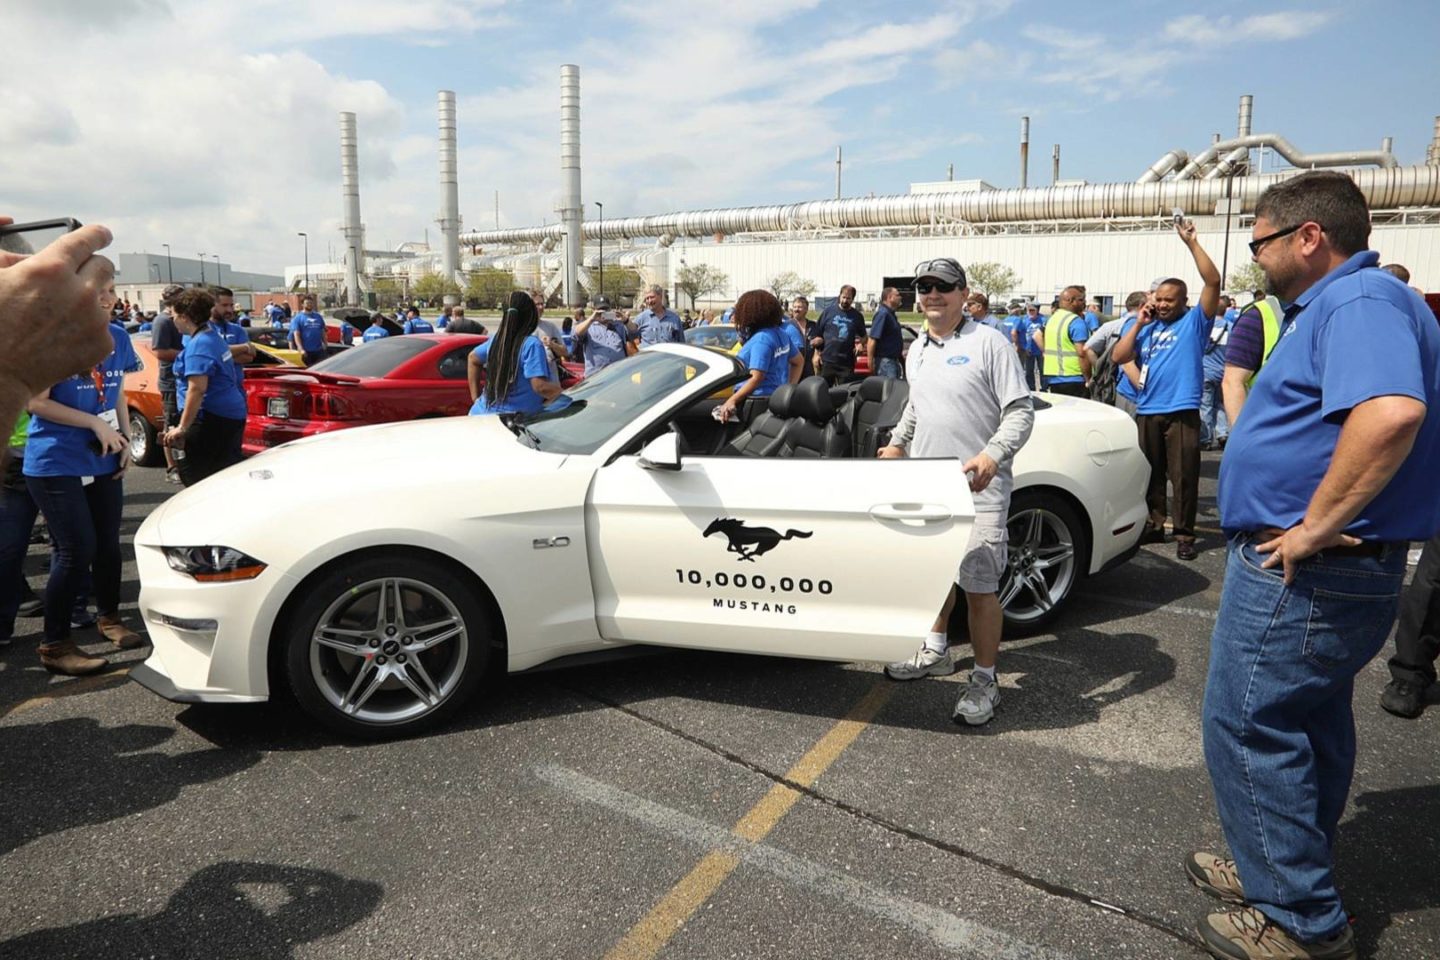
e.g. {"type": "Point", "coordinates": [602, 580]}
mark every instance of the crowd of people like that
{"type": "Point", "coordinates": [1327, 476]}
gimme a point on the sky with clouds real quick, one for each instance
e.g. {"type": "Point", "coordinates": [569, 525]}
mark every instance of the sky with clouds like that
{"type": "Point", "coordinates": [213, 125]}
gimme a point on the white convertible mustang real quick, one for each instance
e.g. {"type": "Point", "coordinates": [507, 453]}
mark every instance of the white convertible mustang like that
{"type": "Point", "coordinates": [624, 514]}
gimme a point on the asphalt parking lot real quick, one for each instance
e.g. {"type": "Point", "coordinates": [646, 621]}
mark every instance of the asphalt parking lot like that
{"type": "Point", "coordinates": [681, 805]}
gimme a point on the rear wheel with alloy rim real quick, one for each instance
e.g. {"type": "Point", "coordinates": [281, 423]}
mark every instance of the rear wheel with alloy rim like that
{"type": "Point", "coordinates": [1048, 553]}
{"type": "Point", "coordinates": [387, 647]}
{"type": "Point", "coordinates": [144, 450]}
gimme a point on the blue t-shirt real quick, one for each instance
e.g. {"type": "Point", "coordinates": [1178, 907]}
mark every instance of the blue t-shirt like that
{"type": "Point", "coordinates": [522, 398]}
{"type": "Point", "coordinates": [1357, 334]}
{"type": "Point", "coordinates": [1214, 359]}
{"type": "Point", "coordinates": [885, 331]}
{"type": "Point", "coordinates": [1168, 355]}
{"type": "Point", "coordinates": [374, 332]}
{"type": "Point", "coordinates": [664, 327]}
{"type": "Point", "coordinates": [1092, 322]}
{"type": "Point", "coordinates": [1123, 386]}
{"type": "Point", "coordinates": [231, 333]}
{"type": "Point", "coordinates": [1079, 332]}
{"type": "Point", "coordinates": [58, 450]}
{"type": "Point", "coordinates": [419, 325]}
{"type": "Point", "coordinates": [604, 345]}
{"type": "Point", "coordinates": [795, 338]}
{"type": "Point", "coordinates": [1027, 333]}
{"type": "Point", "coordinates": [839, 328]}
{"type": "Point", "coordinates": [309, 328]}
{"type": "Point", "coordinates": [769, 350]}
{"type": "Point", "coordinates": [1008, 326]}
{"type": "Point", "coordinates": [207, 354]}
{"type": "Point", "coordinates": [442, 321]}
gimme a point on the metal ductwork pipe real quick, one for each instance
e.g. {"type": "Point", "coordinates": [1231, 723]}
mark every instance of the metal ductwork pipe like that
{"type": "Point", "coordinates": [449, 218]}
{"type": "Point", "coordinates": [350, 226]}
{"type": "Point", "coordinates": [1384, 188]}
{"type": "Point", "coordinates": [1173, 160]}
{"type": "Point", "coordinates": [1024, 152]}
{"type": "Point", "coordinates": [1289, 151]}
{"type": "Point", "coordinates": [572, 210]}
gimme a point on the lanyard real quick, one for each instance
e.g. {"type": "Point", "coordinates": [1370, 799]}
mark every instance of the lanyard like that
{"type": "Point", "coordinates": [97, 376]}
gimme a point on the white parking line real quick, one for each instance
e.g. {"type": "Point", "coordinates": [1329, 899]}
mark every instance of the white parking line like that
{"type": "Point", "coordinates": [955, 934]}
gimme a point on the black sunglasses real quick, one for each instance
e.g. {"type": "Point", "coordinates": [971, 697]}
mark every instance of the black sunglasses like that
{"type": "Point", "coordinates": [1257, 245]}
{"type": "Point", "coordinates": [923, 287]}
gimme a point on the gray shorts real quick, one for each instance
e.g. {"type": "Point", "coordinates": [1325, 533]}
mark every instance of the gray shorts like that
{"type": "Point", "coordinates": [169, 411]}
{"type": "Point", "coordinates": [986, 556]}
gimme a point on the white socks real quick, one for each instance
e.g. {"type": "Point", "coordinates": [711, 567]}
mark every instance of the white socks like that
{"type": "Point", "coordinates": [983, 673]}
{"type": "Point", "coordinates": [937, 643]}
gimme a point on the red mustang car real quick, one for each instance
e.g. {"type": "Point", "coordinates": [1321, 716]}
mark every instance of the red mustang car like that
{"type": "Point", "coordinates": [398, 378]}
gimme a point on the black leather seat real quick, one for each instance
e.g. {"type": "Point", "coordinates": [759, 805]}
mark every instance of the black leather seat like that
{"type": "Point", "coordinates": [873, 413]}
{"type": "Point", "coordinates": [765, 432]}
{"type": "Point", "coordinates": [814, 431]}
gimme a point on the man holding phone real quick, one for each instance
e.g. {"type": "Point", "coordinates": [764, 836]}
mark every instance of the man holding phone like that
{"type": "Point", "coordinates": [1167, 339]}
{"type": "Point", "coordinates": [52, 322]}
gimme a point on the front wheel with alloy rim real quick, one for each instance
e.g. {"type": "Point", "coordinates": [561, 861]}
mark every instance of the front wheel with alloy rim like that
{"type": "Point", "coordinates": [385, 647]}
{"type": "Point", "coordinates": [1048, 555]}
{"type": "Point", "coordinates": [144, 450]}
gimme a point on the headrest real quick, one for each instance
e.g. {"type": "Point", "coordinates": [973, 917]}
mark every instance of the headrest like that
{"type": "Point", "coordinates": [811, 400]}
{"type": "Point", "coordinates": [839, 396]}
{"type": "Point", "coordinates": [780, 401]}
{"type": "Point", "coordinates": [876, 389]}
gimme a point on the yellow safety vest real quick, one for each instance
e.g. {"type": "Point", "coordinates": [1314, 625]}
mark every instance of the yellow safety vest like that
{"type": "Point", "coordinates": [1270, 324]}
{"type": "Point", "coordinates": [1061, 360]}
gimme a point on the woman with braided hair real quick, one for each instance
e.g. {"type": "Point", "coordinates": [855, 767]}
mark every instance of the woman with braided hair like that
{"type": "Point", "coordinates": [512, 365]}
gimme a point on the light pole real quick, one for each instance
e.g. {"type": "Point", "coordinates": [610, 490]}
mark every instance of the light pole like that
{"type": "Point", "coordinates": [602, 246]}
{"type": "Point", "coordinates": [169, 267]}
{"type": "Point", "coordinates": [217, 267]}
{"type": "Point", "coordinates": [202, 268]}
{"type": "Point", "coordinates": [307, 260]}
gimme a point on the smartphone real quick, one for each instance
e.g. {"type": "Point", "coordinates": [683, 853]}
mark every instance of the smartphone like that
{"type": "Point", "coordinates": [610, 316]}
{"type": "Point", "coordinates": [1178, 214]}
{"type": "Point", "coordinates": [34, 236]}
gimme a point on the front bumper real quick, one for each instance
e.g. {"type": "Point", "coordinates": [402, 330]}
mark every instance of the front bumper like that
{"type": "Point", "coordinates": [156, 682]}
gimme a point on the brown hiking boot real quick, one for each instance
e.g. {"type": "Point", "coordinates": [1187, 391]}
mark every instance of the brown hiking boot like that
{"type": "Point", "coordinates": [112, 628]}
{"type": "Point", "coordinates": [1247, 934]}
{"type": "Point", "coordinates": [65, 658]}
{"type": "Point", "coordinates": [1215, 876]}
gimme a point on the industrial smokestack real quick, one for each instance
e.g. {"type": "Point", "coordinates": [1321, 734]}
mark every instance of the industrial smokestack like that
{"type": "Point", "coordinates": [449, 218]}
{"type": "Point", "coordinates": [1432, 156]}
{"type": "Point", "coordinates": [837, 173]}
{"type": "Point", "coordinates": [1247, 107]}
{"type": "Point", "coordinates": [1055, 166]}
{"type": "Point", "coordinates": [350, 213]}
{"type": "Point", "coordinates": [572, 209]}
{"type": "Point", "coordinates": [1024, 152]}
{"type": "Point", "coordinates": [1387, 145]}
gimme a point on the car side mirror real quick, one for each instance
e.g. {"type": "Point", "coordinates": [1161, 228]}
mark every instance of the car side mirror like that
{"type": "Point", "coordinates": [662, 453]}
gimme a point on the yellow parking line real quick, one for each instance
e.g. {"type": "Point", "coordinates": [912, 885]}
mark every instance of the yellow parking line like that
{"type": "Point", "coordinates": [648, 937]}
{"type": "Point", "coordinates": [71, 689]}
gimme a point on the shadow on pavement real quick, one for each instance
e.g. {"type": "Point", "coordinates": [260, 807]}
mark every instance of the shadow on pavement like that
{"type": "Point", "coordinates": [75, 772]}
{"type": "Point", "coordinates": [1385, 855]}
{"type": "Point", "coordinates": [256, 911]}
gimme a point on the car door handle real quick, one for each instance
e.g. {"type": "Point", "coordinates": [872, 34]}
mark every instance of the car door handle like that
{"type": "Point", "coordinates": [911, 511]}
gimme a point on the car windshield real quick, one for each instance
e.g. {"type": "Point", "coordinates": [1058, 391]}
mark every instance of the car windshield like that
{"type": "Point", "coordinates": [582, 418]}
{"type": "Point", "coordinates": [723, 337]}
{"type": "Point", "coordinates": [374, 359]}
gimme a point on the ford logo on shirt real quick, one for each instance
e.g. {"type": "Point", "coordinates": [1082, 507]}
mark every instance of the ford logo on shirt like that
{"type": "Point", "coordinates": [959, 361]}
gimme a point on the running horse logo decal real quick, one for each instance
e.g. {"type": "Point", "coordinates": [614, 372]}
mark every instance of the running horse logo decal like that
{"type": "Point", "coordinates": [750, 542]}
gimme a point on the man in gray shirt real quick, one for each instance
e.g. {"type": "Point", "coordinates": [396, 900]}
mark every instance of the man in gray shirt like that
{"type": "Point", "coordinates": [968, 400]}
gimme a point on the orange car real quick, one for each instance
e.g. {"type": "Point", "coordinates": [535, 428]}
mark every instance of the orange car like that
{"type": "Point", "coordinates": [142, 395]}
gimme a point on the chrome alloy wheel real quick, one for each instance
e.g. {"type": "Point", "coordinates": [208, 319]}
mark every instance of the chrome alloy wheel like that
{"type": "Point", "coordinates": [1042, 564]}
{"type": "Point", "coordinates": [389, 651]}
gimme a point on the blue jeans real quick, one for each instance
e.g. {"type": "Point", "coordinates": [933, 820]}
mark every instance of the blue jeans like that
{"type": "Point", "coordinates": [888, 367]}
{"type": "Point", "coordinates": [17, 519]}
{"type": "Point", "coordinates": [1214, 424]}
{"type": "Point", "coordinates": [1279, 731]}
{"type": "Point", "coordinates": [1031, 363]}
{"type": "Point", "coordinates": [84, 522]}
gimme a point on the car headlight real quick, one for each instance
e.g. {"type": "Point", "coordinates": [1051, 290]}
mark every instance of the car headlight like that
{"type": "Point", "coordinates": [213, 564]}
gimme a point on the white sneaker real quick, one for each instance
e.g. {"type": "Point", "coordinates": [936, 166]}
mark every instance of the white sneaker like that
{"type": "Point", "coordinates": [926, 663]}
{"type": "Point", "coordinates": [977, 703]}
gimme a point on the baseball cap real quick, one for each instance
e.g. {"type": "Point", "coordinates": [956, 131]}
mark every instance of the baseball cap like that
{"type": "Point", "coordinates": [600, 302]}
{"type": "Point", "coordinates": [168, 295]}
{"type": "Point", "coordinates": [942, 268]}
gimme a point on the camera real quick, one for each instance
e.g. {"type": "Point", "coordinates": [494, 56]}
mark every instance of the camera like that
{"type": "Point", "coordinates": [27, 238]}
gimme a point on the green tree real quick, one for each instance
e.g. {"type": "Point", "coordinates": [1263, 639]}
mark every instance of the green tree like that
{"type": "Point", "coordinates": [431, 287]}
{"type": "Point", "coordinates": [1244, 280]}
{"type": "Point", "coordinates": [489, 286]}
{"type": "Point", "coordinates": [701, 280]}
{"type": "Point", "coordinates": [621, 284]}
{"type": "Point", "coordinates": [388, 291]}
{"type": "Point", "coordinates": [992, 279]}
{"type": "Point", "coordinates": [788, 285]}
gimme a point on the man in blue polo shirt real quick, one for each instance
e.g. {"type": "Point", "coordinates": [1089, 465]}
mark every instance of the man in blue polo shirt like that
{"type": "Point", "coordinates": [307, 332]}
{"type": "Point", "coordinates": [604, 337]}
{"type": "Point", "coordinates": [376, 330]}
{"type": "Point", "coordinates": [886, 343]}
{"type": "Point", "coordinates": [1167, 339]}
{"type": "Point", "coordinates": [1327, 475]}
{"type": "Point", "coordinates": [222, 318]}
{"type": "Point", "coordinates": [1214, 426]}
{"type": "Point", "coordinates": [656, 323]}
{"type": "Point", "coordinates": [414, 323]}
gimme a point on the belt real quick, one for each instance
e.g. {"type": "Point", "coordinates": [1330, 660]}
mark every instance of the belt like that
{"type": "Point", "coordinates": [1365, 548]}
